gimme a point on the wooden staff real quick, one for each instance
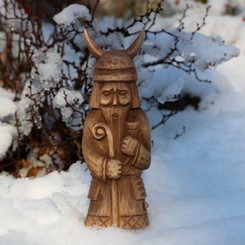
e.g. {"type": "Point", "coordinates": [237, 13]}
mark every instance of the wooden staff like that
{"type": "Point", "coordinates": [101, 130]}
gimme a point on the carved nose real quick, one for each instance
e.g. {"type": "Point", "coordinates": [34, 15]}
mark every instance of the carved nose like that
{"type": "Point", "coordinates": [114, 102]}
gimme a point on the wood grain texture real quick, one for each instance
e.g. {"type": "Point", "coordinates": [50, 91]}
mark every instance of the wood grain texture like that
{"type": "Point", "coordinates": [116, 143]}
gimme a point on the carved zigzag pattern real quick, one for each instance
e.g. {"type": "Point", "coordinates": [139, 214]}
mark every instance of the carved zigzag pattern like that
{"type": "Point", "coordinates": [97, 221]}
{"type": "Point", "coordinates": [135, 222]}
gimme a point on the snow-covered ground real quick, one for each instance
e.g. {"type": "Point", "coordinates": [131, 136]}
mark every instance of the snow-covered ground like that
{"type": "Point", "coordinates": [196, 183]}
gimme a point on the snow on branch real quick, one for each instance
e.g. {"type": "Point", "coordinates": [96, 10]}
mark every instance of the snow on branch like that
{"type": "Point", "coordinates": [71, 13]}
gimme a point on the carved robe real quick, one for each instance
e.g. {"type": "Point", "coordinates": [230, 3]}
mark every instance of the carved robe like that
{"type": "Point", "coordinates": [119, 202]}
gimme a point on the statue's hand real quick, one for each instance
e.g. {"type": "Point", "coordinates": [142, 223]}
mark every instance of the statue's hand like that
{"type": "Point", "coordinates": [113, 169]}
{"type": "Point", "coordinates": [129, 146]}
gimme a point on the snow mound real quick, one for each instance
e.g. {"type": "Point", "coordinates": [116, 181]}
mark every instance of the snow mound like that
{"type": "Point", "coordinates": [69, 14]}
{"type": "Point", "coordinates": [210, 51]}
{"type": "Point", "coordinates": [6, 133]}
{"type": "Point", "coordinates": [7, 110]}
{"type": "Point", "coordinates": [199, 51]}
{"type": "Point", "coordinates": [194, 198]}
{"type": "Point", "coordinates": [7, 107]}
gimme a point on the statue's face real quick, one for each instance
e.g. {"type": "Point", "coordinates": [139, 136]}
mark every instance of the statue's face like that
{"type": "Point", "coordinates": [115, 94]}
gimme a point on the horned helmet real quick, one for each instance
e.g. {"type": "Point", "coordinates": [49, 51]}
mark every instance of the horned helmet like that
{"type": "Point", "coordinates": [114, 66]}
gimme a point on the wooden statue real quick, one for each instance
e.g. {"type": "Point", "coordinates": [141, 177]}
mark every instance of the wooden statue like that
{"type": "Point", "coordinates": [116, 140]}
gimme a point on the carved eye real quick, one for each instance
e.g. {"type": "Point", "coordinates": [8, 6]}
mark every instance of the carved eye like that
{"type": "Point", "coordinates": [106, 93]}
{"type": "Point", "coordinates": [123, 92]}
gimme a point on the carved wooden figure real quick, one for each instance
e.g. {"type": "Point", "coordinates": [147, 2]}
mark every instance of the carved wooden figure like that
{"type": "Point", "coordinates": [116, 140]}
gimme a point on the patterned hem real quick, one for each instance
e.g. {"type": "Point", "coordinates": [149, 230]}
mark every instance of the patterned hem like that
{"type": "Point", "coordinates": [126, 222]}
{"type": "Point", "coordinates": [102, 221]}
{"type": "Point", "coordinates": [134, 222]}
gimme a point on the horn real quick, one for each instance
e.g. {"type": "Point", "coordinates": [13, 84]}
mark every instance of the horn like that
{"type": "Point", "coordinates": [94, 49]}
{"type": "Point", "coordinates": [135, 46]}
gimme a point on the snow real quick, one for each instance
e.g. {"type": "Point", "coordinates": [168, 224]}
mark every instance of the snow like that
{"type": "Point", "coordinates": [7, 107]}
{"type": "Point", "coordinates": [7, 134]}
{"type": "Point", "coordinates": [24, 115]}
{"type": "Point", "coordinates": [7, 110]}
{"type": "Point", "coordinates": [49, 69]}
{"type": "Point", "coordinates": [212, 51]}
{"type": "Point", "coordinates": [46, 70]}
{"type": "Point", "coordinates": [6, 93]}
{"type": "Point", "coordinates": [172, 91]}
{"type": "Point", "coordinates": [200, 52]}
{"type": "Point", "coordinates": [218, 7]}
{"type": "Point", "coordinates": [196, 189]}
{"type": "Point", "coordinates": [69, 14]}
{"type": "Point", "coordinates": [195, 186]}
{"type": "Point", "coordinates": [66, 96]}
{"type": "Point", "coordinates": [68, 102]}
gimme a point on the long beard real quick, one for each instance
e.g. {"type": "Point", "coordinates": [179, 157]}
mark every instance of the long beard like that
{"type": "Point", "coordinates": [115, 117]}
